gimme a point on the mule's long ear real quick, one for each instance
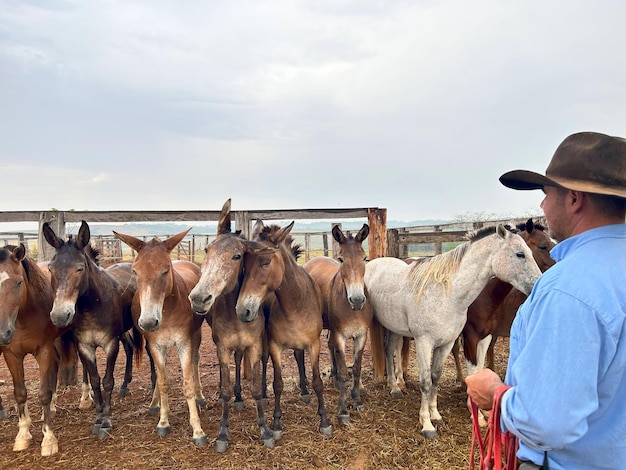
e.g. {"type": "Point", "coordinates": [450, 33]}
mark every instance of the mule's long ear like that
{"type": "Point", "coordinates": [19, 252]}
{"type": "Point", "coordinates": [501, 231]}
{"type": "Point", "coordinates": [338, 234]}
{"type": "Point", "coordinates": [223, 226]}
{"type": "Point", "coordinates": [281, 234]}
{"type": "Point", "coordinates": [50, 236]}
{"type": "Point", "coordinates": [258, 228]}
{"type": "Point", "coordinates": [135, 243]}
{"type": "Point", "coordinates": [530, 225]}
{"type": "Point", "coordinates": [84, 234]}
{"type": "Point", "coordinates": [174, 240]}
{"type": "Point", "coordinates": [363, 233]}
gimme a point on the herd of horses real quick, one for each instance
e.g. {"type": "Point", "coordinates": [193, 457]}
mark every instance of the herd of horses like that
{"type": "Point", "coordinates": [259, 301]}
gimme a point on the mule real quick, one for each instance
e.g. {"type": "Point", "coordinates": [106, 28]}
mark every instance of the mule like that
{"type": "Point", "coordinates": [215, 295]}
{"type": "Point", "coordinates": [274, 279]}
{"type": "Point", "coordinates": [428, 301]}
{"type": "Point", "coordinates": [347, 314]}
{"type": "Point", "coordinates": [25, 328]}
{"type": "Point", "coordinates": [95, 304]}
{"type": "Point", "coordinates": [161, 311]}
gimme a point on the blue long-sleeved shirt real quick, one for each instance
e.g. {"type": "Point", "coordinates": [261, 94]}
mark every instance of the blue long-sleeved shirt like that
{"type": "Point", "coordinates": [567, 362]}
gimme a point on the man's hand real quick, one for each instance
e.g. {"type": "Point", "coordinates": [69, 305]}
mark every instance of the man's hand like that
{"type": "Point", "coordinates": [481, 387]}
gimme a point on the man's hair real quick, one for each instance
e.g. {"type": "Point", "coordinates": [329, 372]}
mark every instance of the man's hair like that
{"type": "Point", "coordinates": [610, 206]}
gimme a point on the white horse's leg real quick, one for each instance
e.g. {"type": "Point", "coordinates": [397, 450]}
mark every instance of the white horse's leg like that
{"type": "Point", "coordinates": [424, 353]}
{"type": "Point", "coordinates": [391, 346]}
{"type": "Point", "coordinates": [481, 353]}
{"type": "Point", "coordinates": [439, 356]}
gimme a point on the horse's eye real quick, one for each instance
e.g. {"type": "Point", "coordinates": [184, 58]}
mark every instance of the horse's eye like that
{"type": "Point", "coordinates": [236, 257]}
{"type": "Point", "coordinates": [340, 259]}
{"type": "Point", "coordinates": [520, 254]}
{"type": "Point", "coordinates": [543, 248]}
{"type": "Point", "coordinates": [365, 260]}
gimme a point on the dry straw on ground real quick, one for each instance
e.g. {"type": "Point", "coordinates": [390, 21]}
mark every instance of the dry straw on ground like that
{"type": "Point", "coordinates": [385, 435]}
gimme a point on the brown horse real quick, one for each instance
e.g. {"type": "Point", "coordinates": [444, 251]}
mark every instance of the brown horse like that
{"type": "Point", "coordinates": [294, 306]}
{"type": "Point", "coordinates": [347, 314]}
{"type": "Point", "coordinates": [215, 296]}
{"type": "Point", "coordinates": [493, 311]}
{"type": "Point", "coordinates": [162, 312]}
{"type": "Point", "coordinates": [95, 304]}
{"type": "Point", "coordinates": [25, 328]}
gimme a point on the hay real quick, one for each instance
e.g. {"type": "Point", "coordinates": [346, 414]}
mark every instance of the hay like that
{"type": "Point", "coordinates": [385, 435]}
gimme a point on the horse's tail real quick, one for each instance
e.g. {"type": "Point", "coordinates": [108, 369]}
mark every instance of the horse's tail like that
{"type": "Point", "coordinates": [137, 345]}
{"type": "Point", "coordinates": [377, 344]}
{"type": "Point", "coordinates": [68, 359]}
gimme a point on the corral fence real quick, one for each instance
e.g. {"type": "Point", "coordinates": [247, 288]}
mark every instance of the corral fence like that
{"type": "Point", "coordinates": [399, 242]}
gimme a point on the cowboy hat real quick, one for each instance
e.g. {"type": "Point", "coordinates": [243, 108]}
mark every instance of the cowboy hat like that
{"type": "Point", "coordinates": [586, 161]}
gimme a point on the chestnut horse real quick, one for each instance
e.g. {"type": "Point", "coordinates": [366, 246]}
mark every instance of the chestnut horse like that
{"type": "Point", "coordinates": [215, 296]}
{"type": "Point", "coordinates": [162, 312]}
{"type": "Point", "coordinates": [347, 314]}
{"type": "Point", "coordinates": [428, 301]}
{"type": "Point", "coordinates": [295, 306]}
{"type": "Point", "coordinates": [95, 304]}
{"type": "Point", "coordinates": [25, 328]}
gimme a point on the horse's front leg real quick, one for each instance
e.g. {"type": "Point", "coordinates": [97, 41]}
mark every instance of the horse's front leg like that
{"type": "Point", "coordinates": [338, 348]}
{"type": "Point", "coordinates": [238, 389]}
{"type": "Point", "coordinates": [424, 353]}
{"type": "Point", "coordinates": [195, 347]}
{"type": "Point", "coordinates": [186, 356]}
{"type": "Point", "coordinates": [108, 382]}
{"type": "Point", "coordinates": [223, 355]}
{"type": "Point", "coordinates": [278, 385]}
{"type": "Point", "coordinates": [257, 386]}
{"type": "Point", "coordinates": [161, 389]}
{"type": "Point", "coordinates": [87, 356]}
{"type": "Point", "coordinates": [16, 367]}
{"type": "Point", "coordinates": [48, 370]}
{"type": "Point", "coordinates": [314, 351]}
{"type": "Point", "coordinates": [359, 347]}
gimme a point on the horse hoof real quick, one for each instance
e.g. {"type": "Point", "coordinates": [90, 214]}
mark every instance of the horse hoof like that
{"type": "Point", "coordinates": [95, 430]}
{"type": "Point", "coordinates": [221, 446]}
{"type": "Point", "coordinates": [153, 410]}
{"type": "Point", "coordinates": [397, 394]}
{"type": "Point", "coordinates": [123, 391]}
{"type": "Point", "coordinates": [327, 431]}
{"type": "Point", "coordinates": [359, 407]}
{"type": "Point", "coordinates": [344, 419]}
{"type": "Point", "coordinates": [22, 444]}
{"type": "Point", "coordinates": [306, 398]}
{"type": "Point", "coordinates": [85, 404]}
{"type": "Point", "coordinates": [104, 432]}
{"type": "Point", "coordinates": [239, 405]}
{"type": "Point", "coordinates": [269, 443]}
{"type": "Point", "coordinates": [277, 434]}
{"type": "Point", "coordinates": [50, 449]}
{"type": "Point", "coordinates": [264, 401]}
{"type": "Point", "coordinates": [3, 414]}
{"type": "Point", "coordinates": [200, 441]}
{"type": "Point", "coordinates": [429, 434]}
{"type": "Point", "coordinates": [162, 432]}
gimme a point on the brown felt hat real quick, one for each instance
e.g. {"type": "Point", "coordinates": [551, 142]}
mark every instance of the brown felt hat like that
{"type": "Point", "coordinates": [587, 161]}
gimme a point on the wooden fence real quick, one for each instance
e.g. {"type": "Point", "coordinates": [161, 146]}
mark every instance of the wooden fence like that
{"type": "Point", "coordinates": [398, 242]}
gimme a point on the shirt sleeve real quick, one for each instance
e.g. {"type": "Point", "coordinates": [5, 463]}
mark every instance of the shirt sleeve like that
{"type": "Point", "coordinates": [554, 375]}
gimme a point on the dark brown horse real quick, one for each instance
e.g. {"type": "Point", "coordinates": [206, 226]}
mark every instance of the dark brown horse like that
{"type": "Point", "coordinates": [347, 314]}
{"type": "Point", "coordinates": [162, 312]}
{"type": "Point", "coordinates": [96, 305]}
{"type": "Point", "coordinates": [25, 328]}
{"type": "Point", "coordinates": [215, 296]}
{"type": "Point", "coordinates": [273, 277]}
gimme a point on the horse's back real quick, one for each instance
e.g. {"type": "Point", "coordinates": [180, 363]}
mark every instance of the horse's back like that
{"type": "Point", "coordinates": [322, 269]}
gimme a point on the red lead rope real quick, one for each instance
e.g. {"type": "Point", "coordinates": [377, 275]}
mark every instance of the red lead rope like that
{"type": "Point", "coordinates": [490, 445]}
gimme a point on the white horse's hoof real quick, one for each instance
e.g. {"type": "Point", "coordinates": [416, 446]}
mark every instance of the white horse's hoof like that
{"type": "Point", "coordinates": [22, 444]}
{"type": "Point", "coordinates": [327, 431]}
{"type": "Point", "coordinates": [429, 434]}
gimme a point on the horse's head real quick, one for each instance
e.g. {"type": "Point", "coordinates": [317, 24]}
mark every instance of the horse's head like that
{"type": "Point", "coordinates": [513, 260]}
{"type": "Point", "coordinates": [68, 271]}
{"type": "Point", "coordinates": [222, 267]}
{"type": "Point", "coordinates": [155, 276]}
{"type": "Point", "coordinates": [539, 241]}
{"type": "Point", "coordinates": [12, 290]}
{"type": "Point", "coordinates": [352, 258]}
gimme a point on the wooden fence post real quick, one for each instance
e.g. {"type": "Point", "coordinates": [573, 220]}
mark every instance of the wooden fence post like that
{"type": "Point", "coordinates": [377, 239]}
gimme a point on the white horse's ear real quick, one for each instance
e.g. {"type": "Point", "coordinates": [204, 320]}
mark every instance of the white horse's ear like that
{"type": "Point", "coordinates": [502, 231]}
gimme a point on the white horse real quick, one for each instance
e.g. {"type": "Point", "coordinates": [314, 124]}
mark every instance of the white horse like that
{"type": "Point", "coordinates": [428, 301]}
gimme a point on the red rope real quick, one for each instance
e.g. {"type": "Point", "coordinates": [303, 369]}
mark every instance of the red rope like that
{"type": "Point", "coordinates": [490, 445]}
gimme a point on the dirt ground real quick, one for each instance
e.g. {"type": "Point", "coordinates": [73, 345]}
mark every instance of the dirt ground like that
{"type": "Point", "coordinates": [385, 435]}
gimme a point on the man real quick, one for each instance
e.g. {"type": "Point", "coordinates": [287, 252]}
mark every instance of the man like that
{"type": "Point", "coordinates": [567, 362]}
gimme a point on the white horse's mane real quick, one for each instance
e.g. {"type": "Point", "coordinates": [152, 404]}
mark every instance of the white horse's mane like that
{"type": "Point", "coordinates": [440, 268]}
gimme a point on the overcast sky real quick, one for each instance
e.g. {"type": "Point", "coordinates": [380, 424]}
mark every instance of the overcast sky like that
{"type": "Point", "coordinates": [413, 106]}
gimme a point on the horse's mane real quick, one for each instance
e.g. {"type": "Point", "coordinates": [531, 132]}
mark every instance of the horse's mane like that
{"type": "Point", "coordinates": [35, 277]}
{"type": "Point", "coordinates": [441, 268]}
{"type": "Point", "coordinates": [294, 248]}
